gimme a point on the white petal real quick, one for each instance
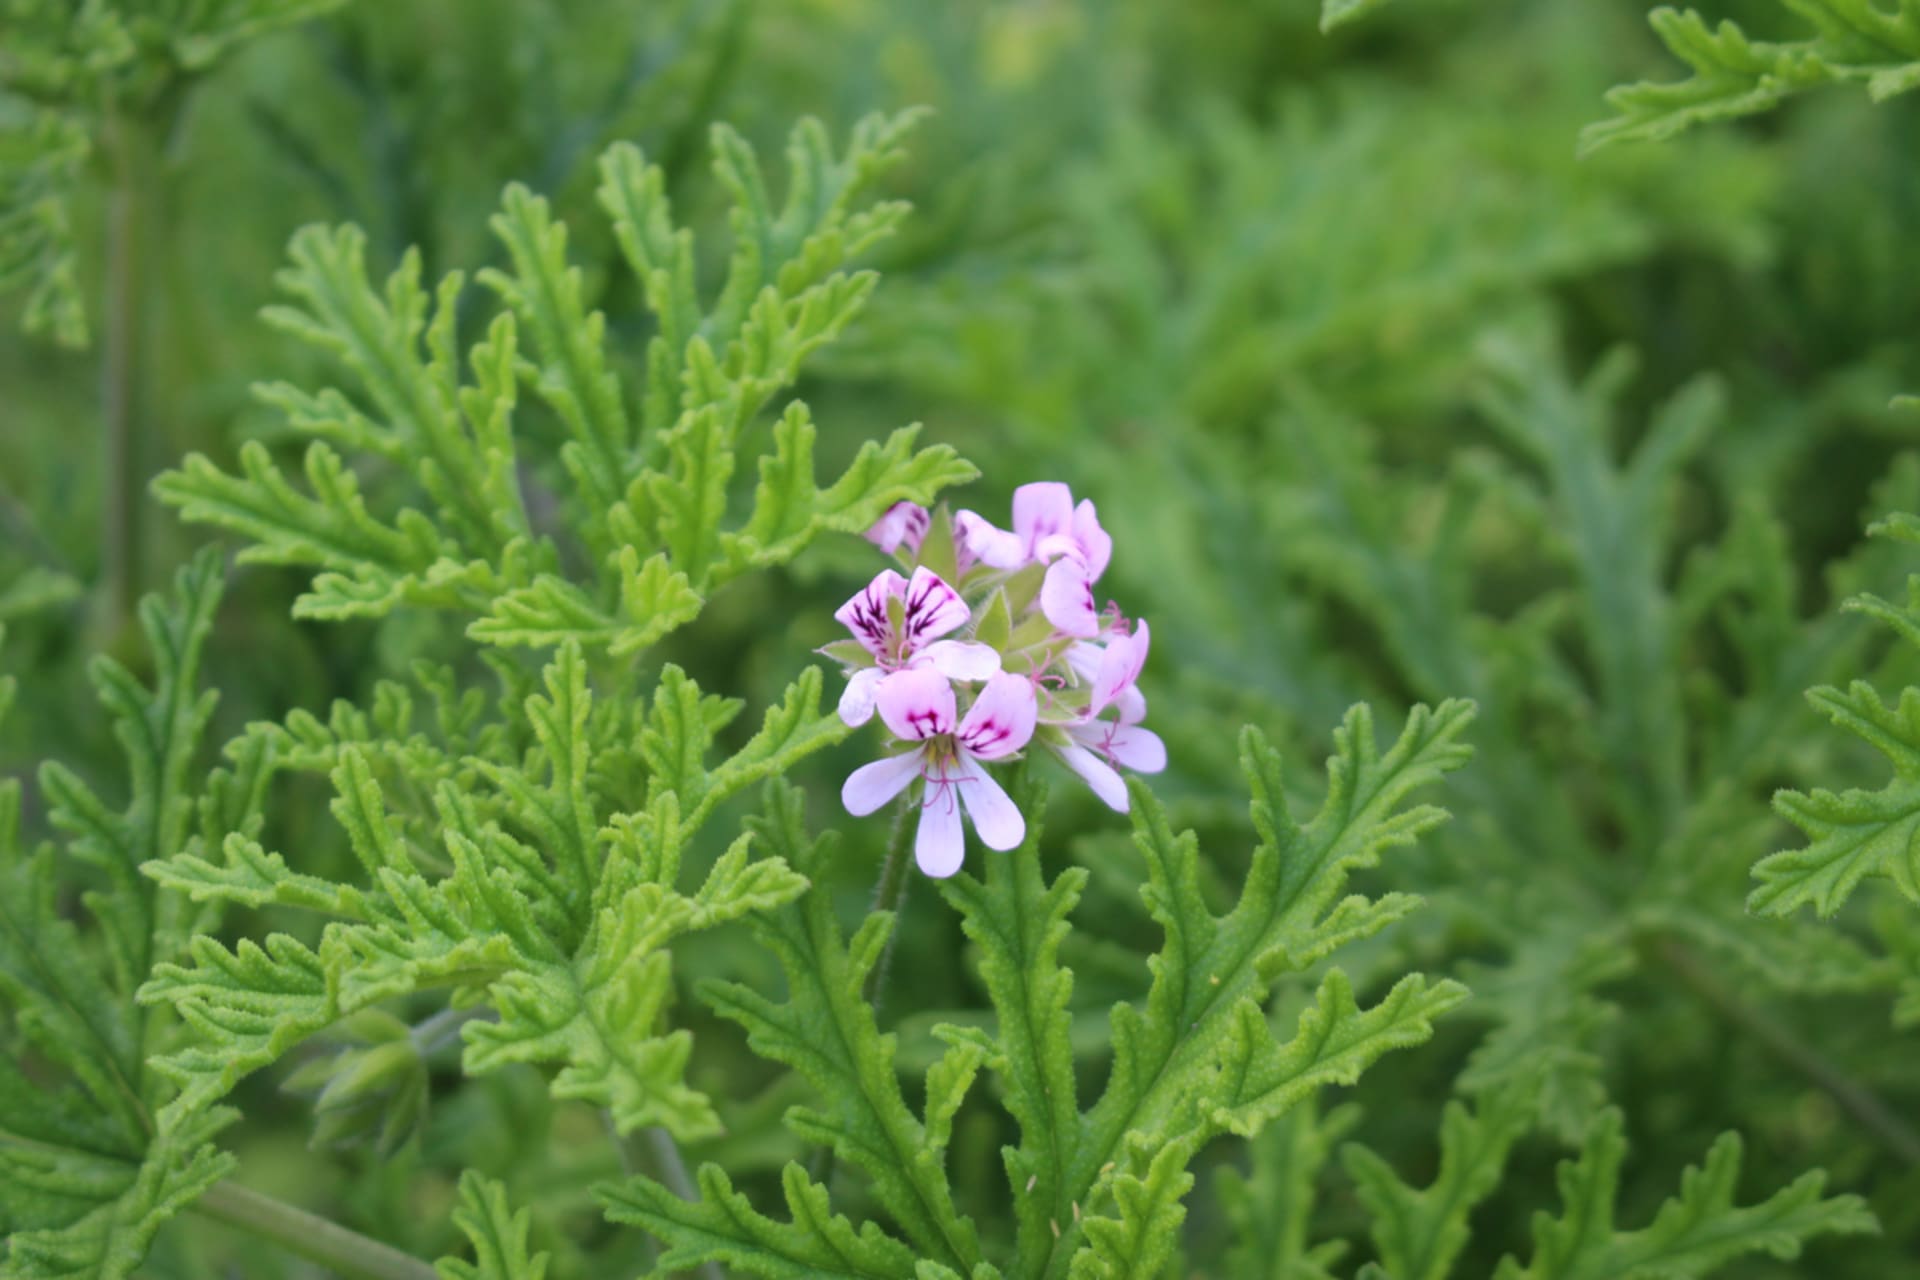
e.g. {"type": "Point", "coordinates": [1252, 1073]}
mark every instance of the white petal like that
{"type": "Point", "coordinates": [940, 846]}
{"type": "Point", "coordinates": [932, 609]}
{"type": "Point", "coordinates": [1096, 773]}
{"type": "Point", "coordinates": [1137, 748]}
{"type": "Point", "coordinates": [916, 704]}
{"type": "Point", "coordinates": [988, 544]}
{"type": "Point", "coordinates": [1001, 719]}
{"type": "Point", "coordinates": [872, 785]}
{"type": "Point", "coordinates": [1066, 597]}
{"type": "Point", "coordinates": [994, 815]}
{"type": "Point", "coordinates": [960, 659]}
{"type": "Point", "coordinates": [856, 701]}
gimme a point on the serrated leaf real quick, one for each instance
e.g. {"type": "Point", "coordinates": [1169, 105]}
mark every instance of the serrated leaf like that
{"type": "Point", "coordinates": [1692, 1234]}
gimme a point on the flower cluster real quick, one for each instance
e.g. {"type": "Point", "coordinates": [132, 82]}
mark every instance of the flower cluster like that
{"type": "Point", "coordinates": [993, 643]}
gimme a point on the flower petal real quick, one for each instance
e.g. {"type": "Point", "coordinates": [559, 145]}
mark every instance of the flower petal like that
{"type": "Point", "coordinates": [960, 659]}
{"type": "Point", "coordinates": [856, 701]}
{"type": "Point", "coordinates": [1120, 665]}
{"type": "Point", "coordinates": [1097, 774]}
{"type": "Point", "coordinates": [940, 846]}
{"type": "Point", "coordinates": [989, 545]}
{"type": "Point", "coordinates": [1066, 597]}
{"type": "Point", "coordinates": [866, 614]}
{"type": "Point", "coordinates": [933, 609]}
{"type": "Point", "coordinates": [1137, 748]}
{"type": "Point", "coordinates": [1001, 719]}
{"type": "Point", "coordinates": [995, 817]}
{"type": "Point", "coordinates": [872, 785]}
{"type": "Point", "coordinates": [1041, 511]}
{"type": "Point", "coordinates": [903, 522]}
{"type": "Point", "coordinates": [916, 704]}
{"type": "Point", "coordinates": [1096, 544]}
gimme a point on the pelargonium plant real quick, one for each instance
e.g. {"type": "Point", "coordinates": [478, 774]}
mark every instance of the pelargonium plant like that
{"type": "Point", "coordinates": [1007, 650]}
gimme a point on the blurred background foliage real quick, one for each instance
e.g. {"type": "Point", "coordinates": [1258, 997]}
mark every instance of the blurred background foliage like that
{"type": "Point", "coordinates": [1384, 393]}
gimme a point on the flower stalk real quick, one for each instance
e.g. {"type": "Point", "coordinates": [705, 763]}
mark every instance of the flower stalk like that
{"type": "Point", "coordinates": [310, 1236]}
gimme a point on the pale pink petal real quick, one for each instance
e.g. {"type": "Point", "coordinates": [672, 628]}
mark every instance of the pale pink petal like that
{"type": "Point", "coordinates": [989, 545]}
{"type": "Point", "coordinates": [903, 522]}
{"type": "Point", "coordinates": [1120, 666]}
{"type": "Point", "coordinates": [1122, 743]}
{"type": "Point", "coordinates": [866, 614]}
{"type": "Point", "coordinates": [1131, 706]}
{"type": "Point", "coordinates": [1001, 719]}
{"type": "Point", "coordinates": [1137, 748]}
{"type": "Point", "coordinates": [872, 785]}
{"type": "Point", "coordinates": [856, 702]}
{"type": "Point", "coordinates": [960, 659]}
{"type": "Point", "coordinates": [995, 818]}
{"type": "Point", "coordinates": [1096, 545]}
{"type": "Point", "coordinates": [1066, 597]}
{"type": "Point", "coordinates": [916, 704]}
{"type": "Point", "coordinates": [940, 846]}
{"type": "Point", "coordinates": [1097, 774]}
{"type": "Point", "coordinates": [933, 609]}
{"type": "Point", "coordinates": [1041, 511]}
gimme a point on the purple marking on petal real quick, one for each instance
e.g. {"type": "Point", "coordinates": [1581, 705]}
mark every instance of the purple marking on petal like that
{"type": "Point", "coordinates": [932, 610]}
{"type": "Point", "coordinates": [916, 704]}
{"type": "Point", "coordinates": [1002, 718]}
{"type": "Point", "coordinates": [866, 614]}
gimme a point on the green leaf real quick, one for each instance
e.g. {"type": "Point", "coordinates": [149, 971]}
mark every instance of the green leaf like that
{"type": "Point", "coordinates": [1271, 1209]}
{"type": "Point", "coordinates": [1017, 921]}
{"type": "Point", "coordinates": [42, 153]}
{"type": "Point", "coordinates": [1693, 1234]}
{"type": "Point", "coordinates": [723, 1227]}
{"type": "Point", "coordinates": [499, 1236]}
{"type": "Point", "coordinates": [94, 1156]}
{"type": "Point", "coordinates": [825, 1030]}
{"type": "Point", "coordinates": [1198, 1059]}
{"type": "Point", "coordinates": [1733, 76]}
{"type": "Point", "coordinates": [1851, 834]}
{"type": "Point", "coordinates": [1417, 1233]}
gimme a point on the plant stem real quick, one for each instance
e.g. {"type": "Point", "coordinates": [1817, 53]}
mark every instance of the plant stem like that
{"type": "Point", "coordinates": [312, 1237]}
{"type": "Point", "coordinates": [120, 358]}
{"type": "Point", "coordinates": [889, 892]}
{"type": "Point", "coordinates": [889, 895]}
{"type": "Point", "coordinates": [1853, 1097]}
{"type": "Point", "coordinates": [654, 1146]}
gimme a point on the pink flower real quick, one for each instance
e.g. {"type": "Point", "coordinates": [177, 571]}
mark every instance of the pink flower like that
{"type": "Point", "coordinates": [1095, 746]}
{"type": "Point", "coordinates": [1048, 529]}
{"type": "Point", "coordinates": [905, 636]}
{"type": "Point", "coordinates": [918, 706]}
{"type": "Point", "coordinates": [904, 522]}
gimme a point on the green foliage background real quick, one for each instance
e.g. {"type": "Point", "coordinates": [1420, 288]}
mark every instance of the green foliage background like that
{"type": "Point", "coordinates": [1405, 363]}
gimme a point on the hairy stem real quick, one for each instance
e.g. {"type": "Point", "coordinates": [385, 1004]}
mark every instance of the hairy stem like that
{"type": "Point", "coordinates": [888, 895]}
{"type": "Point", "coordinates": [312, 1237]}
{"type": "Point", "coordinates": [1853, 1097]}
